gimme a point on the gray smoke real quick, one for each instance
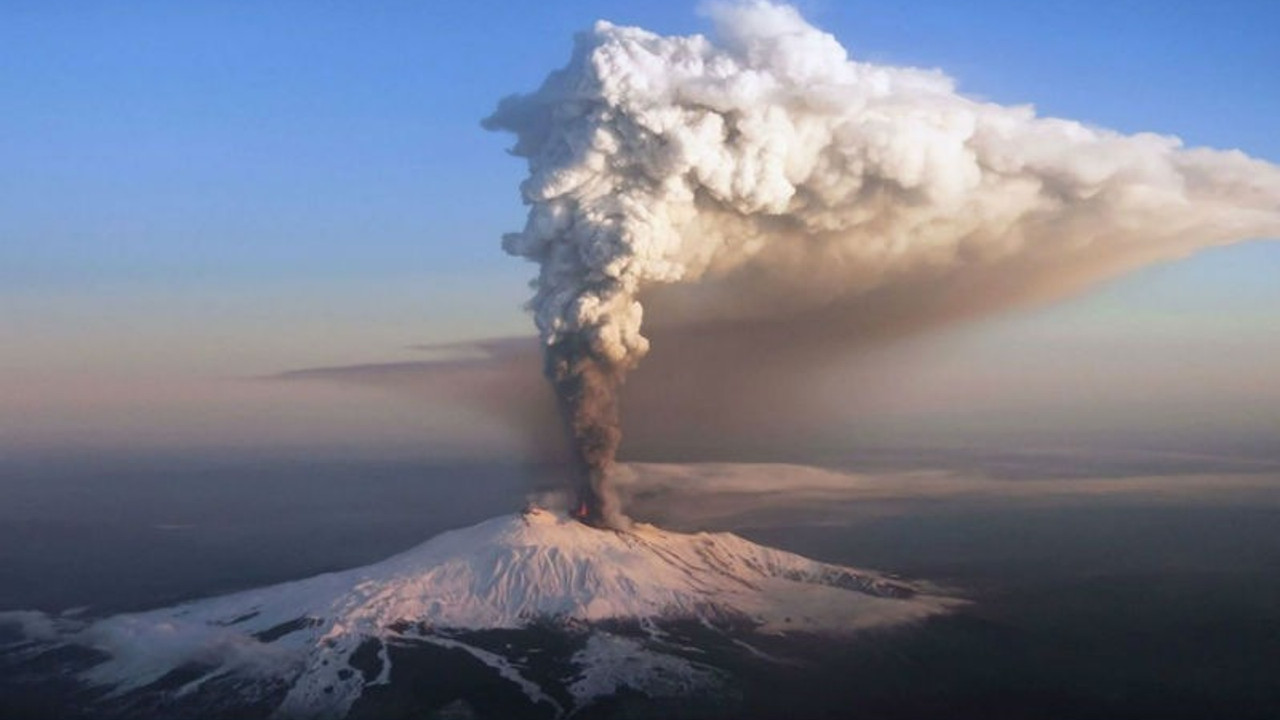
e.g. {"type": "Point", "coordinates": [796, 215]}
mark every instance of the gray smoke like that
{"type": "Point", "coordinates": [763, 177]}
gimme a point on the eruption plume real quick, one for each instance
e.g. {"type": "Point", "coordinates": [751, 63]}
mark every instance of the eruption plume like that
{"type": "Point", "coordinates": [765, 176]}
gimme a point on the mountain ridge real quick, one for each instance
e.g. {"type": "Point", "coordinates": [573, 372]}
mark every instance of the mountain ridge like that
{"type": "Point", "coordinates": [536, 568]}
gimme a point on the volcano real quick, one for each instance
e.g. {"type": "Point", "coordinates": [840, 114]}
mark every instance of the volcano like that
{"type": "Point", "coordinates": [535, 612]}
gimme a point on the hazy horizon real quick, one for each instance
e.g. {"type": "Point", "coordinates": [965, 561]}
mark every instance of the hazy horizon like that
{"type": "Point", "coordinates": [265, 202]}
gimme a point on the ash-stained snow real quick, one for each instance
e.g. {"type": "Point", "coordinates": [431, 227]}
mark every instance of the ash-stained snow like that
{"type": "Point", "coordinates": [538, 568]}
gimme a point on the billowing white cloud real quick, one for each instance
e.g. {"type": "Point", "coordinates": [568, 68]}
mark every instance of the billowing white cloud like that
{"type": "Point", "coordinates": [767, 155]}
{"type": "Point", "coordinates": [764, 174]}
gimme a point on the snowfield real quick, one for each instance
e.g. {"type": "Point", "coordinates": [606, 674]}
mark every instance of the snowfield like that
{"type": "Point", "coordinates": [516, 571]}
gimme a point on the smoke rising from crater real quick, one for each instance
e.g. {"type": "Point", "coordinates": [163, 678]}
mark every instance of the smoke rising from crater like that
{"type": "Point", "coordinates": [762, 177]}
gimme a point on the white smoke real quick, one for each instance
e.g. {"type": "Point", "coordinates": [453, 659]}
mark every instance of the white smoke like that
{"type": "Point", "coordinates": [661, 160]}
{"type": "Point", "coordinates": [764, 174]}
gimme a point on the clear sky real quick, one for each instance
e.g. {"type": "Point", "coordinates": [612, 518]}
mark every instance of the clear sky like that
{"type": "Point", "coordinates": [211, 189]}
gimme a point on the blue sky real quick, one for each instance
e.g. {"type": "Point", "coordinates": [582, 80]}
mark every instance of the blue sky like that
{"type": "Point", "coordinates": [237, 188]}
{"type": "Point", "coordinates": [157, 142]}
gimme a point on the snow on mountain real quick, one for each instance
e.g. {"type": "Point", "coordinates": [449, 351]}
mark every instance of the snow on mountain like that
{"type": "Point", "coordinates": [514, 571]}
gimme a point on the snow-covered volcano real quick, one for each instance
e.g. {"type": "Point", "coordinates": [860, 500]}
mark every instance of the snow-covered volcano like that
{"type": "Point", "coordinates": [311, 648]}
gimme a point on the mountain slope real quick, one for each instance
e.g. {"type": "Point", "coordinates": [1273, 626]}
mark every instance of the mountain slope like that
{"type": "Point", "coordinates": [535, 569]}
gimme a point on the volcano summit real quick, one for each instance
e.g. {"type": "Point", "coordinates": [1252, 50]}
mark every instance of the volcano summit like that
{"type": "Point", "coordinates": [533, 612]}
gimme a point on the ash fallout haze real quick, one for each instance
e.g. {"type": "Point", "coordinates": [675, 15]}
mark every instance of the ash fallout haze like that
{"type": "Point", "coordinates": [887, 360]}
